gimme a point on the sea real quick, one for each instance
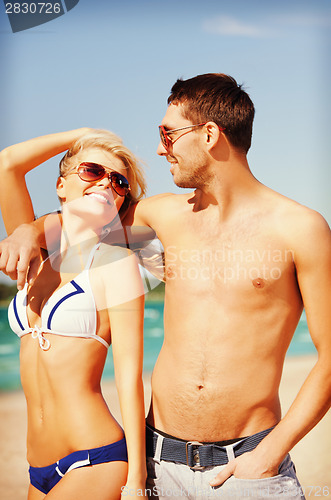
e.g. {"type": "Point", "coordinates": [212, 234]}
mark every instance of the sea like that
{"type": "Point", "coordinates": [153, 338]}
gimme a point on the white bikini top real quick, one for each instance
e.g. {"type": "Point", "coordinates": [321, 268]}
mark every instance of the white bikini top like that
{"type": "Point", "coordinates": [70, 311]}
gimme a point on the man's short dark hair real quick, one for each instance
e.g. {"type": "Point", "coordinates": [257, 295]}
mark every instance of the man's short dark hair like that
{"type": "Point", "coordinates": [218, 98]}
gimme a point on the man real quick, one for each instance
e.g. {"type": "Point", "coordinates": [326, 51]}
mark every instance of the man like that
{"type": "Point", "coordinates": [241, 261]}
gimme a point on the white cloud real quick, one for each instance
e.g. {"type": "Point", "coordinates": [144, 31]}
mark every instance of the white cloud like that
{"type": "Point", "coordinates": [230, 26]}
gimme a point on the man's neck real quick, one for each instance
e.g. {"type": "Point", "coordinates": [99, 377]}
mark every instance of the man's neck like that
{"type": "Point", "coordinates": [231, 183]}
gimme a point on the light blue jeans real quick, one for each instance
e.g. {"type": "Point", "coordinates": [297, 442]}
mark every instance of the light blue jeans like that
{"type": "Point", "coordinates": [170, 480]}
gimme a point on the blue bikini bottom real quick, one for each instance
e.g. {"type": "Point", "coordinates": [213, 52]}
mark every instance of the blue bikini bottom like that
{"type": "Point", "coordinates": [45, 478]}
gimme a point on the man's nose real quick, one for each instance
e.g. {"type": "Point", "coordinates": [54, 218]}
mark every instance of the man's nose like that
{"type": "Point", "coordinates": [161, 150]}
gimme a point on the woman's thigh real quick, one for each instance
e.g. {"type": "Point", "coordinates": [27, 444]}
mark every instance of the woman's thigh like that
{"type": "Point", "coordinates": [96, 482]}
{"type": "Point", "coordinates": [34, 494]}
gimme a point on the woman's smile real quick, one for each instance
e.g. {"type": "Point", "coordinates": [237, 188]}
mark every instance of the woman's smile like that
{"type": "Point", "coordinates": [101, 196]}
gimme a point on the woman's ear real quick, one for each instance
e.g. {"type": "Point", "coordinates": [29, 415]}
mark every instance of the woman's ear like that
{"type": "Point", "coordinates": [61, 188]}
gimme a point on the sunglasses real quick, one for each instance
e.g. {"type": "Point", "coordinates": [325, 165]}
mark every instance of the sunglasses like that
{"type": "Point", "coordinates": [93, 172]}
{"type": "Point", "coordinates": [164, 134]}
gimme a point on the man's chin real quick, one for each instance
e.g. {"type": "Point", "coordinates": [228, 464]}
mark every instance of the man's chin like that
{"type": "Point", "coordinates": [183, 184]}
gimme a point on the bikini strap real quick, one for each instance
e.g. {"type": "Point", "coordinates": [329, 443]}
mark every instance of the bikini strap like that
{"type": "Point", "coordinates": [91, 256]}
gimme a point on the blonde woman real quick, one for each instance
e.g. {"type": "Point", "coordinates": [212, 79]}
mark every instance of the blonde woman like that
{"type": "Point", "coordinates": [86, 296]}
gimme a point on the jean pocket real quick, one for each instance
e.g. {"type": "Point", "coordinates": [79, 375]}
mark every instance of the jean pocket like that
{"type": "Point", "coordinates": [282, 485]}
{"type": "Point", "coordinates": [286, 468]}
{"type": "Point", "coordinates": [271, 488]}
{"type": "Point", "coordinates": [153, 470]}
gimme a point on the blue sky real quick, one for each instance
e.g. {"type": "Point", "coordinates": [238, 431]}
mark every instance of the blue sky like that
{"type": "Point", "coordinates": [111, 64]}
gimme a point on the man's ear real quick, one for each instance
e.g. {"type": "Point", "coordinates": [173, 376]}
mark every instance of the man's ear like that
{"type": "Point", "coordinates": [212, 134]}
{"type": "Point", "coordinates": [61, 188]}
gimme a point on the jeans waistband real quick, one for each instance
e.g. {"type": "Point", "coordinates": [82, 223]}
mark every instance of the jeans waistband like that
{"type": "Point", "coordinates": [197, 455]}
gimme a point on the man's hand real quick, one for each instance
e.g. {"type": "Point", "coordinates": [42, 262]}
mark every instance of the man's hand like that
{"type": "Point", "coordinates": [20, 255]}
{"type": "Point", "coordinates": [246, 466]}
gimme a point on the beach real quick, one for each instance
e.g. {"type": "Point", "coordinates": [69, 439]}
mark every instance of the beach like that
{"type": "Point", "coordinates": [312, 455]}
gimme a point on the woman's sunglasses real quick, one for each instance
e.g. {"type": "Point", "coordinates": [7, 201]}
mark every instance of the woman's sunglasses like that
{"type": "Point", "coordinates": [93, 172]}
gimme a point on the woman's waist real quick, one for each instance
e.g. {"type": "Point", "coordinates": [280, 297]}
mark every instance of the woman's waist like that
{"type": "Point", "coordinates": [56, 431]}
{"type": "Point", "coordinates": [70, 402]}
{"type": "Point", "coordinates": [59, 376]}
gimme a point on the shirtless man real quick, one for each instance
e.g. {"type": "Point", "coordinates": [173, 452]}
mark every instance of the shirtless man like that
{"type": "Point", "coordinates": [241, 261]}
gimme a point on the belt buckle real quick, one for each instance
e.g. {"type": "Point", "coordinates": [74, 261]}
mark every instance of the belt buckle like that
{"type": "Point", "coordinates": [196, 456]}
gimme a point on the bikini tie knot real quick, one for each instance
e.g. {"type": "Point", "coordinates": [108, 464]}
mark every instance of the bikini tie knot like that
{"type": "Point", "coordinates": [37, 333]}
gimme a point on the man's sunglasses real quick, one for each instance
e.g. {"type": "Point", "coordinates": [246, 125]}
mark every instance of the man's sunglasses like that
{"type": "Point", "coordinates": [164, 134]}
{"type": "Point", "coordinates": [93, 172]}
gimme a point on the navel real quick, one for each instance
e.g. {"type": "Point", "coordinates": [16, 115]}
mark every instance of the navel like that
{"type": "Point", "coordinates": [258, 282]}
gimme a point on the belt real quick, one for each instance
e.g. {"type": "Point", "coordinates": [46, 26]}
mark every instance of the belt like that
{"type": "Point", "coordinates": [198, 455]}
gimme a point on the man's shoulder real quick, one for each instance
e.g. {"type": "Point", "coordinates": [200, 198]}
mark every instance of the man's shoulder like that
{"type": "Point", "coordinates": [161, 205]}
{"type": "Point", "coordinates": [307, 234]}
{"type": "Point", "coordinates": [163, 199]}
{"type": "Point", "coordinates": [297, 212]}
{"type": "Point", "coordinates": [298, 221]}
{"type": "Point", "coordinates": [306, 223]}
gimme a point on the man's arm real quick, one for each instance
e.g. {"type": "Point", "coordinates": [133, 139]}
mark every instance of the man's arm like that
{"type": "Point", "coordinates": [146, 212]}
{"type": "Point", "coordinates": [20, 253]}
{"type": "Point", "coordinates": [312, 256]}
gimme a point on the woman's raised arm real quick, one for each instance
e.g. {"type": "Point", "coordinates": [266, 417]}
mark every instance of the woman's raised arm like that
{"type": "Point", "coordinates": [16, 161]}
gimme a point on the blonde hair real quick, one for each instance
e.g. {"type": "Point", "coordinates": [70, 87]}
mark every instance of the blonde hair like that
{"type": "Point", "coordinates": [110, 142]}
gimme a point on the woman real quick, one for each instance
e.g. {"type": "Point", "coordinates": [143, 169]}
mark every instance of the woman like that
{"type": "Point", "coordinates": [86, 296]}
